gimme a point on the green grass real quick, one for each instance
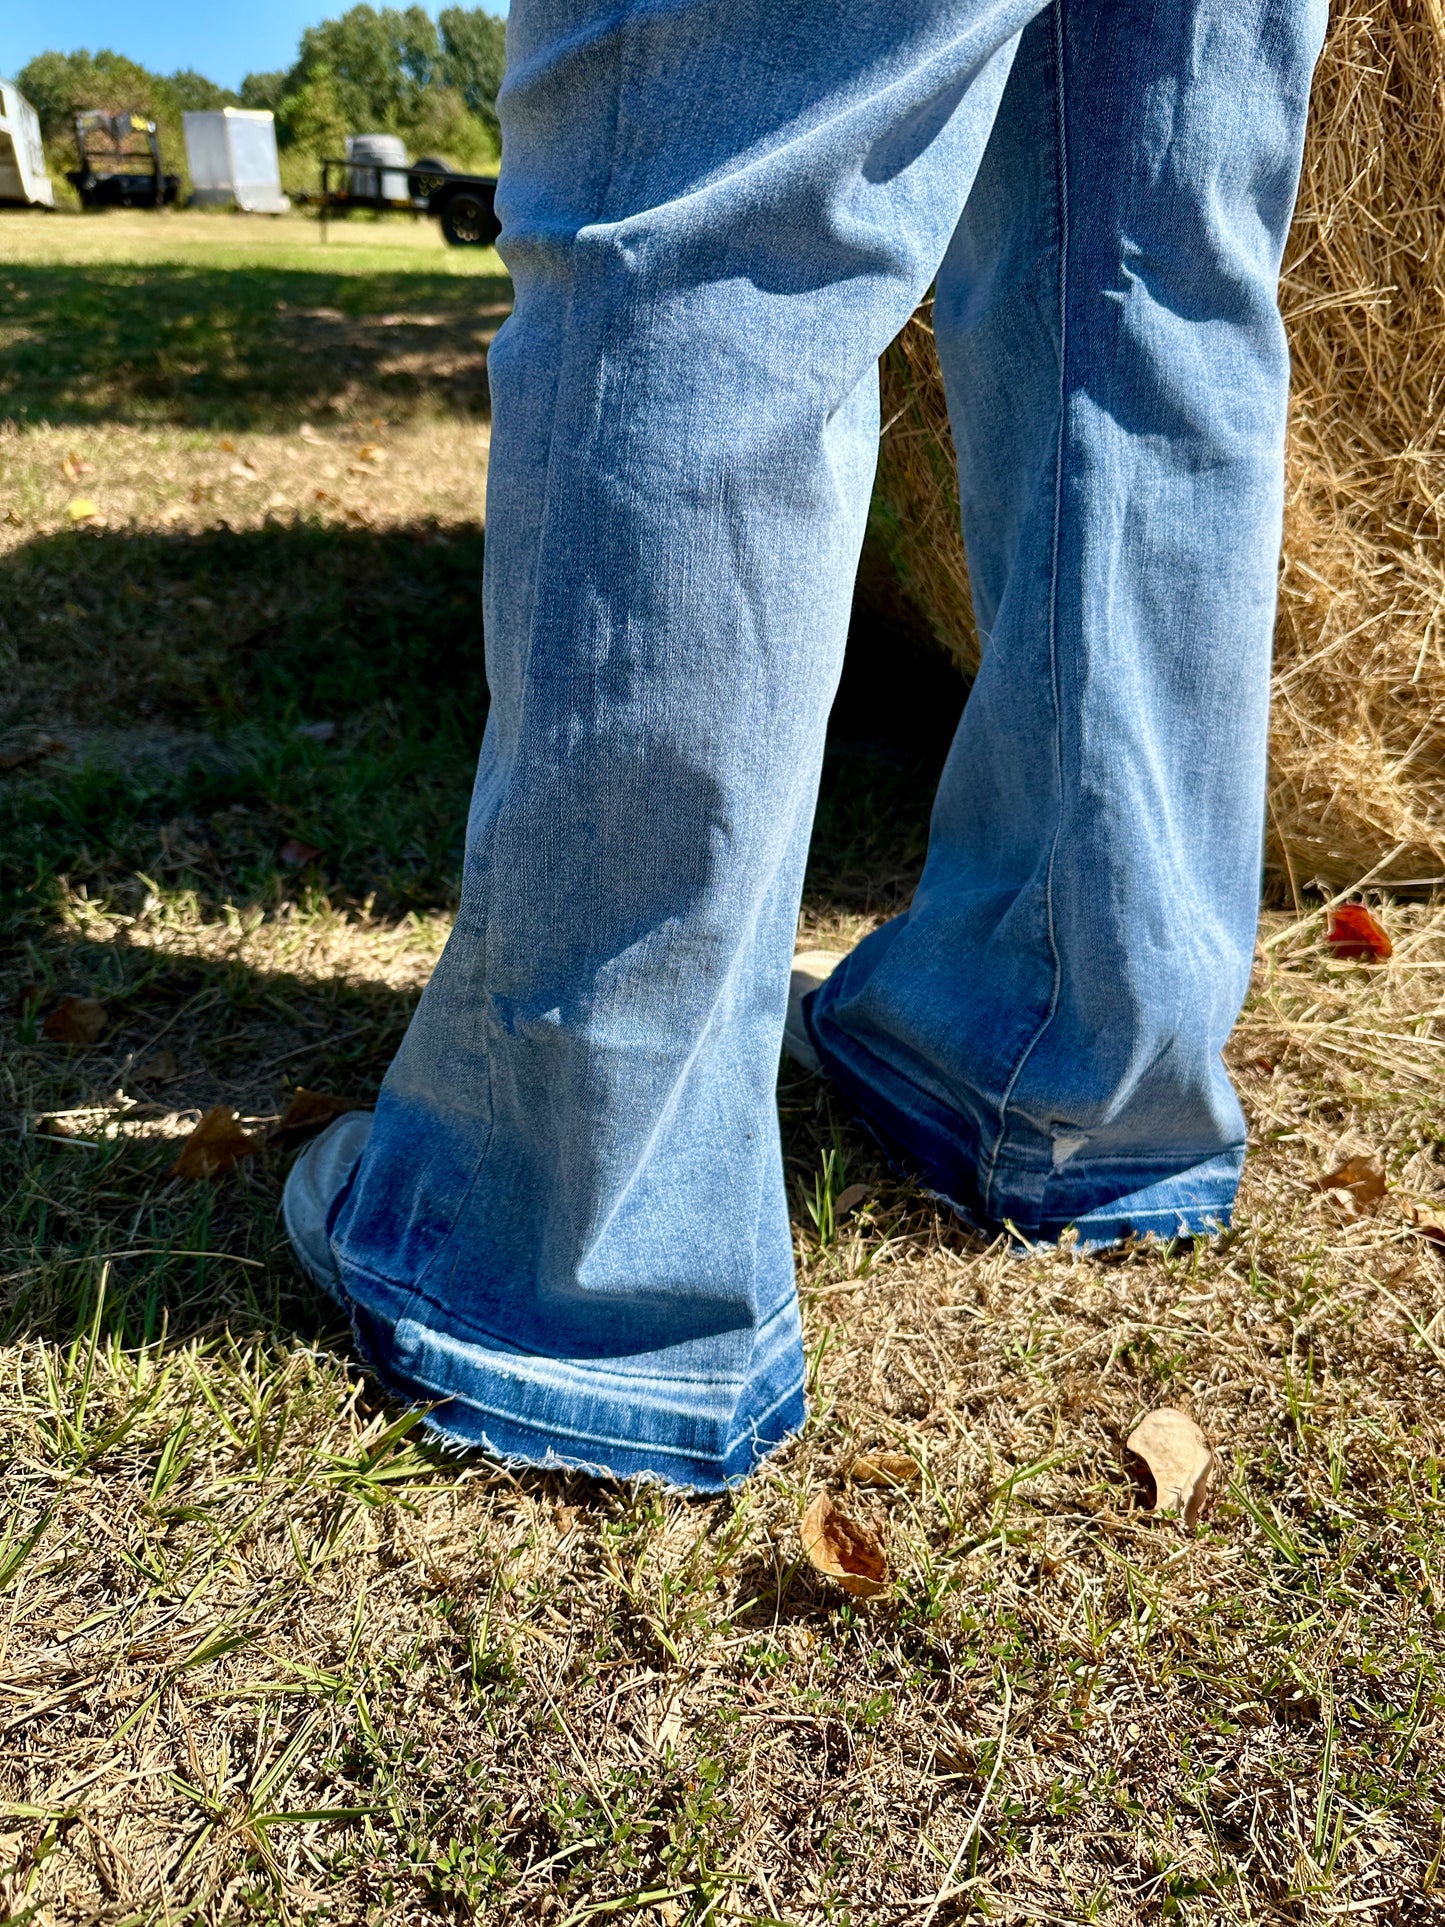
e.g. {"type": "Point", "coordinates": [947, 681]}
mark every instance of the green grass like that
{"type": "Point", "coordinates": [267, 1655]}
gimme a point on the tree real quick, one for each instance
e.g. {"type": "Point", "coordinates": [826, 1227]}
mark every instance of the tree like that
{"type": "Point", "coordinates": [194, 94]}
{"type": "Point", "coordinates": [381, 62]}
{"type": "Point", "coordinates": [265, 91]}
{"type": "Point", "coordinates": [474, 58]}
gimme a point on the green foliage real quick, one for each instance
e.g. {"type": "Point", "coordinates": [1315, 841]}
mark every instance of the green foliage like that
{"type": "Point", "coordinates": [392, 70]}
{"type": "Point", "coordinates": [370, 70]}
{"type": "Point", "coordinates": [59, 85]}
{"type": "Point", "coordinates": [474, 50]}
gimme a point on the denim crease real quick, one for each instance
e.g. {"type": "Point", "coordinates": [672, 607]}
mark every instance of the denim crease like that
{"type": "Point", "coordinates": [568, 1232]}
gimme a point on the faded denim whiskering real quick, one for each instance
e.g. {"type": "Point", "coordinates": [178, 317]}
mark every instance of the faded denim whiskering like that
{"type": "Point", "coordinates": [569, 1226]}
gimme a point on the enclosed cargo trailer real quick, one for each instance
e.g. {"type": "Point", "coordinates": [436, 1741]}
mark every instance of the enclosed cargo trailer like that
{"type": "Point", "coordinates": [233, 160]}
{"type": "Point", "coordinates": [24, 179]}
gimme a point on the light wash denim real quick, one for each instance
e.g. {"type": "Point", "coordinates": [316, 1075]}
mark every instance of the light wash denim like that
{"type": "Point", "coordinates": [569, 1227]}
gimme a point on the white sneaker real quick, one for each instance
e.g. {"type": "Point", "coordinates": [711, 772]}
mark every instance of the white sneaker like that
{"type": "Point", "coordinates": [810, 968]}
{"type": "Point", "coordinates": [312, 1184]}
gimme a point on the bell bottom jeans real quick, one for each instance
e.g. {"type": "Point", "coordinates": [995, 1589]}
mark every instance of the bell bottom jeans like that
{"type": "Point", "coordinates": [569, 1229]}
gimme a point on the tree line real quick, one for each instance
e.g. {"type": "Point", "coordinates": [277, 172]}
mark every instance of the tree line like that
{"type": "Point", "coordinates": [390, 70]}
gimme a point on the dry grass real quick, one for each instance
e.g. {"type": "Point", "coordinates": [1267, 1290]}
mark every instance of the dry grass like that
{"type": "Point", "coordinates": [1358, 745]}
{"type": "Point", "coordinates": [266, 1656]}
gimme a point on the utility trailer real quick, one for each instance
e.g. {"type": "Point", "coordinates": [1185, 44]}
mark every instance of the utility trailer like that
{"type": "Point", "coordinates": [375, 174]}
{"type": "Point", "coordinates": [120, 162]}
{"type": "Point", "coordinates": [465, 206]}
{"type": "Point", "coordinates": [24, 179]}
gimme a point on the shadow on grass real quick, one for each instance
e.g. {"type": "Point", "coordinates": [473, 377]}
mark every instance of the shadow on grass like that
{"type": "Point", "coordinates": [246, 348]}
{"type": "Point", "coordinates": [183, 671]}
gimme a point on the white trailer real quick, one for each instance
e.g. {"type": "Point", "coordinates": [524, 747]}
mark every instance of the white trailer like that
{"type": "Point", "coordinates": [23, 176]}
{"type": "Point", "coordinates": [232, 154]}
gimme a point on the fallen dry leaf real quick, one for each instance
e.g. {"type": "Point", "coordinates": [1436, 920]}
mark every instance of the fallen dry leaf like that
{"type": "Point", "coordinates": [843, 1549]}
{"type": "Point", "coordinates": [20, 747]}
{"type": "Point", "coordinates": [1178, 1459]}
{"type": "Point", "coordinates": [1361, 1179]}
{"type": "Point", "coordinates": [309, 434]}
{"type": "Point", "coordinates": [160, 1067]}
{"type": "Point", "coordinates": [295, 854]}
{"type": "Point", "coordinates": [1428, 1221]}
{"type": "Point", "coordinates": [884, 1468]}
{"type": "Point", "coordinates": [848, 1201]}
{"type": "Point", "coordinates": [216, 1146]}
{"type": "Point", "coordinates": [567, 1518]}
{"type": "Point", "coordinates": [308, 1112]}
{"type": "Point", "coordinates": [371, 452]}
{"type": "Point", "coordinates": [73, 467]}
{"type": "Point", "coordinates": [77, 1020]}
{"type": "Point", "coordinates": [1352, 933]}
{"type": "Point", "coordinates": [81, 509]}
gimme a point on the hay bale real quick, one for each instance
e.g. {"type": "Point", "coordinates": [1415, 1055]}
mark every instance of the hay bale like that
{"type": "Point", "coordinates": [1357, 783]}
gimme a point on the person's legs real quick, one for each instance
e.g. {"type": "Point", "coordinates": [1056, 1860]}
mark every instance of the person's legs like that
{"type": "Point", "coordinates": [570, 1223]}
{"type": "Point", "coordinates": [1039, 1036]}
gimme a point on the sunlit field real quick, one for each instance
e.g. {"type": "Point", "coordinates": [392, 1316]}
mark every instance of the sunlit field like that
{"type": "Point", "coordinates": [265, 1654]}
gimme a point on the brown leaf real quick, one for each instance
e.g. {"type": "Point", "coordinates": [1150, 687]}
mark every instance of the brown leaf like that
{"type": "Point", "coordinates": [1178, 1459]}
{"type": "Point", "coordinates": [1428, 1221]}
{"type": "Point", "coordinates": [160, 1067]}
{"type": "Point", "coordinates": [884, 1468]}
{"type": "Point", "coordinates": [77, 1020]}
{"type": "Point", "coordinates": [371, 452]}
{"type": "Point", "coordinates": [19, 747]}
{"type": "Point", "coordinates": [307, 1113]}
{"type": "Point", "coordinates": [567, 1518]}
{"type": "Point", "coordinates": [216, 1146]}
{"type": "Point", "coordinates": [295, 854]}
{"type": "Point", "coordinates": [843, 1549]}
{"type": "Point", "coordinates": [74, 466]}
{"type": "Point", "coordinates": [1351, 932]}
{"type": "Point", "coordinates": [1362, 1179]}
{"type": "Point", "coordinates": [848, 1201]}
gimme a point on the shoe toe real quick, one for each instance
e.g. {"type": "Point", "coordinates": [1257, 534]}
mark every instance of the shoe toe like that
{"type": "Point", "coordinates": [315, 1180]}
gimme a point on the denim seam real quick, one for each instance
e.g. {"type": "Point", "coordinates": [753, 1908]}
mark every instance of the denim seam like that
{"type": "Point", "coordinates": [986, 1190]}
{"type": "Point", "coordinates": [484, 920]}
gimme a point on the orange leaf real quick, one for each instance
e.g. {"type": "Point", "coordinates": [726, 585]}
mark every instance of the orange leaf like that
{"type": "Point", "coordinates": [843, 1549]}
{"type": "Point", "coordinates": [1352, 933]}
{"type": "Point", "coordinates": [307, 1113]}
{"type": "Point", "coordinates": [216, 1146]}
{"type": "Point", "coordinates": [884, 1468]}
{"type": "Point", "coordinates": [77, 1020]}
{"type": "Point", "coordinates": [1363, 1178]}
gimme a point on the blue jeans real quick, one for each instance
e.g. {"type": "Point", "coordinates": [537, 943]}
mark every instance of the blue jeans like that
{"type": "Point", "coordinates": [569, 1227]}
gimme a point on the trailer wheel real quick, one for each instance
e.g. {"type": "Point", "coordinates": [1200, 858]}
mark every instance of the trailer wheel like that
{"type": "Point", "coordinates": [468, 221]}
{"type": "Point", "coordinates": [427, 175]}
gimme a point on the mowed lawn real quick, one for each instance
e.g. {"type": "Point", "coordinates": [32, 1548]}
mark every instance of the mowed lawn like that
{"type": "Point", "coordinates": [265, 1654]}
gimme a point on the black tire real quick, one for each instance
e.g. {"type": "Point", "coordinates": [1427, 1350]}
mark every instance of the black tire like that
{"type": "Point", "coordinates": [468, 220]}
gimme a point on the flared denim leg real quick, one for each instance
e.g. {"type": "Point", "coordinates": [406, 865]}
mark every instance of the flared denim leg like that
{"type": "Point", "coordinates": [1039, 1036]}
{"type": "Point", "coordinates": [569, 1226]}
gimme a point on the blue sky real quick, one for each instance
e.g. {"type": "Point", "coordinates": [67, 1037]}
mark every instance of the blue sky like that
{"type": "Point", "coordinates": [221, 41]}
